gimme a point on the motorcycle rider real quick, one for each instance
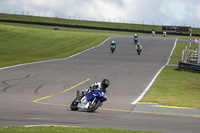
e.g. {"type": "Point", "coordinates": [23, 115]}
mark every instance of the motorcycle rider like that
{"type": "Point", "coordinates": [138, 47]}
{"type": "Point", "coordinates": [97, 90]}
{"type": "Point", "coordinates": [99, 86]}
{"type": "Point", "coordinates": [164, 33]}
{"type": "Point", "coordinates": [135, 38]}
{"type": "Point", "coordinates": [113, 44]}
{"type": "Point", "coordinates": [153, 32]}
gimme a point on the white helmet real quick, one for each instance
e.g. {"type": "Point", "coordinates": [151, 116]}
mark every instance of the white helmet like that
{"type": "Point", "coordinates": [135, 34]}
{"type": "Point", "coordinates": [113, 41]}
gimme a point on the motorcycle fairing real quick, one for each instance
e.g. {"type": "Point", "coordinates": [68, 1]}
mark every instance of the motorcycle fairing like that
{"type": "Point", "coordinates": [97, 94]}
{"type": "Point", "coordinates": [112, 46]}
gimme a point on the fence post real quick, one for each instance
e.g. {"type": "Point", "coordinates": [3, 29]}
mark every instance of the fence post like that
{"type": "Point", "coordinates": [199, 53]}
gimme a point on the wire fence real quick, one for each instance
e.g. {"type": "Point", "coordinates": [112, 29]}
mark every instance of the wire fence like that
{"type": "Point", "coordinates": [111, 20]}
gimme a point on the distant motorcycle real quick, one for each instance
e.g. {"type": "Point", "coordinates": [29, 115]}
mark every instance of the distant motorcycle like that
{"type": "Point", "coordinates": [89, 102]}
{"type": "Point", "coordinates": [139, 48]}
{"type": "Point", "coordinates": [112, 48]}
{"type": "Point", "coordinates": [153, 33]}
{"type": "Point", "coordinates": [136, 40]}
{"type": "Point", "coordinates": [164, 33]}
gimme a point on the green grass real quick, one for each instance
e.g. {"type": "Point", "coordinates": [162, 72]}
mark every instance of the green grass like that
{"type": "Point", "coordinates": [174, 87]}
{"type": "Point", "coordinates": [52, 129]}
{"type": "Point", "coordinates": [19, 44]}
{"type": "Point", "coordinates": [86, 22]}
{"type": "Point", "coordinates": [79, 22]}
{"type": "Point", "coordinates": [94, 23]}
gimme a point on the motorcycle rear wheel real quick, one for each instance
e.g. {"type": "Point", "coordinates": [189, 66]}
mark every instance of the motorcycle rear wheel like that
{"type": "Point", "coordinates": [112, 50]}
{"type": "Point", "coordinates": [93, 107]}
{"type": "Point", "coordinates": [74, 105]}
{"type": "Point", "coordinates": [139, 52]}
{"type": "Point", "coordinates": [136, 41]}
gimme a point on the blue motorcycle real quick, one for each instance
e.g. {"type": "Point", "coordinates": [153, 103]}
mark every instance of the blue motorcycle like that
{"type": "Point", "coordinates": [88, 101]}
{"type": "Point", "coordinates": [136, 40]}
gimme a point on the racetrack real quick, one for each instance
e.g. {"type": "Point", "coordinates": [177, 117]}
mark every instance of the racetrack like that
{"type": "Point", "coordinates": [37, 94]}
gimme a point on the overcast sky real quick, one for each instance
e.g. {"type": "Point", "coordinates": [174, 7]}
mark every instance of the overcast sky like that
{"type": "Point", "coordinates": [157, 12]}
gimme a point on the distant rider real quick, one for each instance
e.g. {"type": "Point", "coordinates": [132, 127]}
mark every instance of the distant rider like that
{"type": "Point", "coordinates": [113, 44]}
{"type": "Point", "coordinates": [138, 46]}
{"type": "Point", "coordinates": [164, 33]}
{"type": "Point", "coordinates": [135, 38]}
{"type": "Point", "coordinates": [153, 32]}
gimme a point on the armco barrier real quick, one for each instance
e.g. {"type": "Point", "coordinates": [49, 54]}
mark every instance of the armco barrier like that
{"type": "Point", "coordinates": [93, 27]}
{"type": "Point", "coordinates": [189, 67]}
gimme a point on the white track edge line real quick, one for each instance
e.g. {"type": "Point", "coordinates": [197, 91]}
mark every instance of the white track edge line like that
{"type": "Point", "coordinates": [150, 84]}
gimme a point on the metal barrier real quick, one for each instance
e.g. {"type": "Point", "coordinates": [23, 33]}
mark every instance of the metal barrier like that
{"type": "Point", "coordinates": [189, 67]}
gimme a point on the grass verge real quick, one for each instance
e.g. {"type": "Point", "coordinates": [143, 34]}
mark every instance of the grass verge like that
{"type": "Point", "coordinates": [173, 87]}
{"type": "Point", "coordinates": [80, 22]}
{"type": "Point", "coordinates": [86, 22]}
{"type": "Point", "coordinates": [21, 44]}
{"type": "Point", "coordinates": [52, 129]}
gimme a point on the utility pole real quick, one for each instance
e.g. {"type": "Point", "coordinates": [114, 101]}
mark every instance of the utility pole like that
{"type": "Point", "coordinates": [190, 45]}
{"type": "Point", "coordinates": [190, 38]}
{"type": "Point", "coordinates": [198, 61]}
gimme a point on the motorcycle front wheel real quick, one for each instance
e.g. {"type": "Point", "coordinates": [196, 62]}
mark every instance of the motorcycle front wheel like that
{"type": "Point", "coordinates": [94, 106]}
{"type": "Point", "coordinates": [112, 50]}
{"type": "Point", "coordinates": [139, 52]}
{"type": "Point", "coordinates": [74, 105]}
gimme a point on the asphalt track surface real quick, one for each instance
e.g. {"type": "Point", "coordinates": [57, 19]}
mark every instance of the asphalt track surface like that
{"type": "Point", "coordinates": [40, 93]}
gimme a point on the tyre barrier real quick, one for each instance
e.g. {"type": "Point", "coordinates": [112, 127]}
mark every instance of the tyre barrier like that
{"type": "Point", "coordinates": [189, 67]}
